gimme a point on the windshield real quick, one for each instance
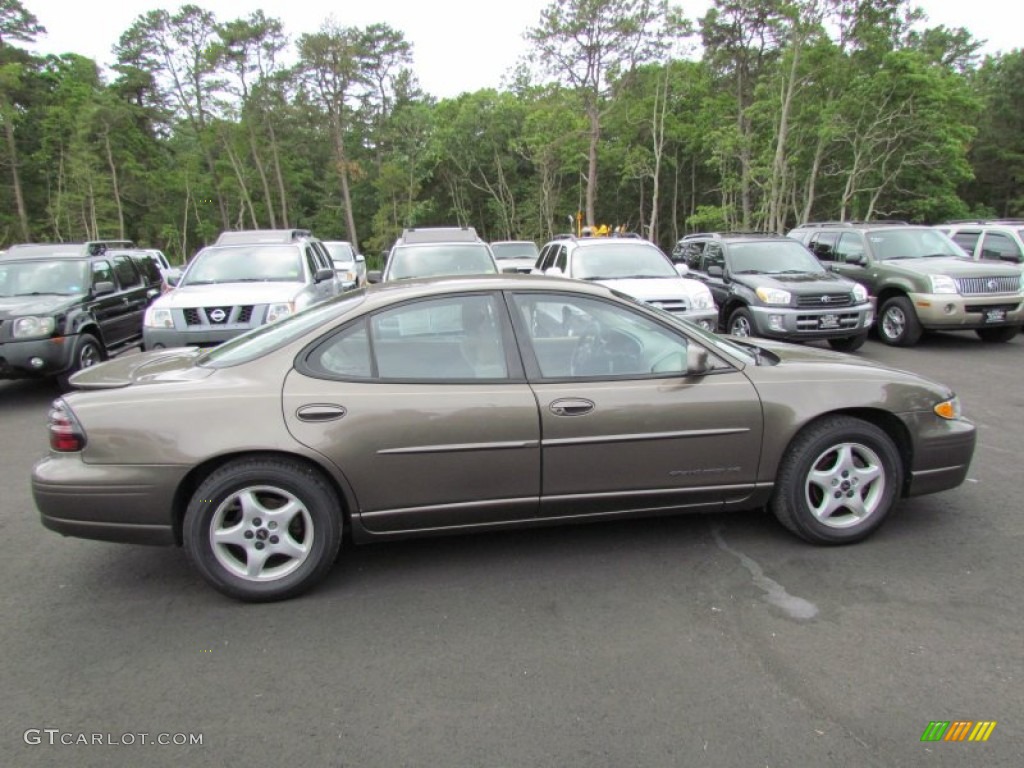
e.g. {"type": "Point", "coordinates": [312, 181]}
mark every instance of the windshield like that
{"type": "Point", "coordinates": [267, 338]}
{"type": "Point", "coordinates": [340, 252]}
{"type": "Point", "coordinates": [62, 277]}
{"type": "Point", "coordinates": [627, 259]}
{"type": "Point", "coordinates": [773, 258]}
{"type": "Point", "coordinates": [912, 244]}
{"type": "Point", "coordinates": [514, 251]}
{"type": "Point", "coordinates": [440, 259]}
{"type": "Point", "coordinates": [245, 263]}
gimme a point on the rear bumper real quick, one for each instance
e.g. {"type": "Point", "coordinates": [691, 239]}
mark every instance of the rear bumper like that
{"type": "Point", "coordinates": [111, 502]}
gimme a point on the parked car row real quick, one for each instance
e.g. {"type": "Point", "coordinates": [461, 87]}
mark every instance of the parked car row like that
{"type": "Point", "coordinates": [65, 307]}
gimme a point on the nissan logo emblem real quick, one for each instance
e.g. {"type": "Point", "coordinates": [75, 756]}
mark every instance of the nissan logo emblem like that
{"type": "Point", "coordinates": [218, 315]}
{"type": "Point", "coordinates": [826, 299]}
{"type": "Point", "coordinates": [992, 285]}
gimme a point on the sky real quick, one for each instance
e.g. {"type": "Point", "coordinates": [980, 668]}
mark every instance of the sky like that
{"type": "Point", "coordinates": [458, 45]}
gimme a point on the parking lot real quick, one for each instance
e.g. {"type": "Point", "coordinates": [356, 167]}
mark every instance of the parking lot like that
{"type": "Point", "coordinates": [695, 640]}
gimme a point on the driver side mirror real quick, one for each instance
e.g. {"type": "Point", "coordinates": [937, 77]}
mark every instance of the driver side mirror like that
{"type": "Point", "coordinates": [682, 269]}
{"type": "Point", "coordinates": [103, 287]}
{"type": "Point", "coordinates": [857, 259]}
{"type": "Point", "coordinates": [715, 270]}
{"type": "Point", "coordinates": [696, 360]}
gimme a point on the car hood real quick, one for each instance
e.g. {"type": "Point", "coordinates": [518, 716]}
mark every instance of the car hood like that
{"type": "Point", "coordinates": [953, 266]}
{"type": "Point", "coordinates": [655, 288]}
{"type": "Point", "coordinates": [229, 293]}
{"type": "Point", "coordinates": [20, 306]}
{"type": "Point", "coordinates": [146, 368]}
{"type": "Point", "coordinates": [805, 283]}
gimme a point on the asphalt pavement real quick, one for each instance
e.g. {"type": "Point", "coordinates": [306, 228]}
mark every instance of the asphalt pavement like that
{"type": "Point", "coordinates": [716, 640]}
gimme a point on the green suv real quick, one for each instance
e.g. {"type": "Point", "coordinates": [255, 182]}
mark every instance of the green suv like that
{"type": "Point", "coordinates": [921, 279]}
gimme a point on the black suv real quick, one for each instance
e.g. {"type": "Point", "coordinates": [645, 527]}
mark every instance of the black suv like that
{"type": "Point", "coordinates": [64, 307]}
{"type": "Point", "coordinates": [769, 285]}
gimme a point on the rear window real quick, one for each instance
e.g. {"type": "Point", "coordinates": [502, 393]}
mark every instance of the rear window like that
{"type": "Point", "coordinates": [441, 259]}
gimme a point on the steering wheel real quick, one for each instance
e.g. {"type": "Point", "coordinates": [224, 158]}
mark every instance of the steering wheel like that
{"type": "Point", "coordinates": [604, 354]}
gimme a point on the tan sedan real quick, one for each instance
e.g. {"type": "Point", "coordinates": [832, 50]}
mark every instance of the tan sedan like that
{"type": "Point", "coordinates": [466, 404]}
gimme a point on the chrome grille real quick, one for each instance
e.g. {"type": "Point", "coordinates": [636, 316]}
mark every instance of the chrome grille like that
{"type": "Point", "coordinates": [671, 305]}
{"type": "Point", "coordinates": [807, 323]}
{"type": "Point", "coordinates": [824, 300]}
{"type": "Point", "coordinates": [241, 315]}
{"type": "Point", "coordinates": [974, 286]}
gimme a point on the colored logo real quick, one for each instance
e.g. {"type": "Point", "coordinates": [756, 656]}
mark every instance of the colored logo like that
{"type": "Point", "coordinates": [958, 730]}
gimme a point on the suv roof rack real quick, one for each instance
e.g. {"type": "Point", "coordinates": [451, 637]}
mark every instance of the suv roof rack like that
{"type": "Point", "coordinates": [851, 223]}
{"type": "Point", "coordinates": [238, 236]}
{"type": "Point", "coordinates": [735, 233]}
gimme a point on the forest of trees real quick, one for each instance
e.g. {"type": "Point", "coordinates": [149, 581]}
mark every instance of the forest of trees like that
{"type": "Point", "coordinates": [760, 115]}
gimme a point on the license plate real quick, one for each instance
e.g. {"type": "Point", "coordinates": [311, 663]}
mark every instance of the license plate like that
{"type": "Point", "coordinates": [828, 321]}
{"type": "Point", "coordinates": [995, 316]}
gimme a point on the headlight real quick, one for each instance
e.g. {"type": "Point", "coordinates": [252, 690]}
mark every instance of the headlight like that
{"type": "Point", "coordinates": [860, 293]}
{"type": "Point", "coordinates": [703, 300]}
{"type": "Point", "coordinates": [943, 284]}
{"type": "Point", "coordinates": [158, 318]}
{"type": "Point", "coordinates": [948, 409]}
{"type": "Point", "coordinates": [773, 295]}
{"type": "Point", "coordinates": [280, 311]}
{"type": "Point", "coordinates": [29, 327]}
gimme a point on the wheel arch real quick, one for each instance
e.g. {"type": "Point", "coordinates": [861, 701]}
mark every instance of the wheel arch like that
{"type": "Point", "coordinates": [890, 424]}
{"type": "Point", "coordinates": [200, 472]}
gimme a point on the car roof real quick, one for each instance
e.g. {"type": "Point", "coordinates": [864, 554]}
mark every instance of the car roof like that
{"type": "Point", "coordinates": [431, 286]}
{"type": "Point", "coordinates": [79, 249]}
{"type": "Point", "coordinates": [241, 236]}
{"type": "Point", "coordinates": [413, 236]}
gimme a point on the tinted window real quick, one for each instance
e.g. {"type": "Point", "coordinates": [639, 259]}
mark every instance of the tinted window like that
{"type": "Point", "coordinates": [967, 241]}
{"type": "Point", "coordinates": [999, 246]}
{"type": "Point", "coordinates": [560, 258]}
{"type": "Point", "coordinates": [850, 248]}
{"type": "Point", "coordinates": [823, 245]}
{"type": "Point", "coordinates": [148, 267]}
{"type": "Point", "coordinates": [714, 256]}
{"type": "Point", "coordinates": [692, 252]}
{"type": "Point", "coordinates": [102, 272]}
{"type": "Point", "coordinates": [127, 274]}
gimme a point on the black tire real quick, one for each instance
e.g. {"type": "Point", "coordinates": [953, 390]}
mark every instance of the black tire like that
{"type": "Point", "coordinates": [741, 323]}
{"type": "Point", "coordinates": [837, 455]}
{"type": "Point", "coordinates": [292, 513]}
{"type": "Point", "coordinates": [997, 335]}
{"type": "Point", "coordinates": [88, 352]}
{"type": "Point", "coordinates": [849, 343]}
{"type": "Point", "coordinates": [897, 323]}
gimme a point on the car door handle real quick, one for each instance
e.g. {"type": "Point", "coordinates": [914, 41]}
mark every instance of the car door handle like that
{"type": "Point", "coordinates": [320, 412]}
{"type": "Point", "coordinates": [571, 407]}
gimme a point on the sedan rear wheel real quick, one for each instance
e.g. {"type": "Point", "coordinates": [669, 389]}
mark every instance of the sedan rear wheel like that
{"type": "Point", "coordinates": [838, 481]}
{"type": "Point", "coordinates": [263, 529]}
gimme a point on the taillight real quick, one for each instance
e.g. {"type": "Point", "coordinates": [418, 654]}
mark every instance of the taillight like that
{"type": "Point", "coordinates": [66, 434]}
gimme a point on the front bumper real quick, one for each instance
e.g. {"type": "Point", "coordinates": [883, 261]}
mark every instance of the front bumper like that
{"type": "Point", "coordinates": [954, 312]}
{"type": "Point", "coordinates": [202, 336]}
{"type": "Point", "coordinates": [943, 451]}
{"type": "Point", "coordinates": [36, 357]}
{"type": "Point", "coordinates": [130, 503]}
{"type": "Point", "coordinates": [705, 318]}
{"type": "Point", "coordinates": [789, 324]}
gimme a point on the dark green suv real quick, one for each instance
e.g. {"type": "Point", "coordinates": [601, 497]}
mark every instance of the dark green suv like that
{"type": "Point", "coordinates": [921, 280]}
{"type": "Point", "coordinates": [64, 307]}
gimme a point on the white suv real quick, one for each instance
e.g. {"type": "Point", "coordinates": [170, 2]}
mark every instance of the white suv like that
{"type": "Point", "coordinates": [997, 240]}
{"type": "Point", "coordinates": [635, 267]}
{"type": "Point", "coordinates": [245, 280]}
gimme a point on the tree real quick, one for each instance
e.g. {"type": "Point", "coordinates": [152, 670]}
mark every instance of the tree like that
{"type": "Point", "coordinates": [589, 44]}
{"type": "Point", "coordinates": [16, 23]}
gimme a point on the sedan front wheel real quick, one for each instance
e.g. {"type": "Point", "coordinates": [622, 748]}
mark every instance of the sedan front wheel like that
{"type": "Point", "coordinates": [838, 481]}
{"type": "Point", "coordinates": [263, 529]}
